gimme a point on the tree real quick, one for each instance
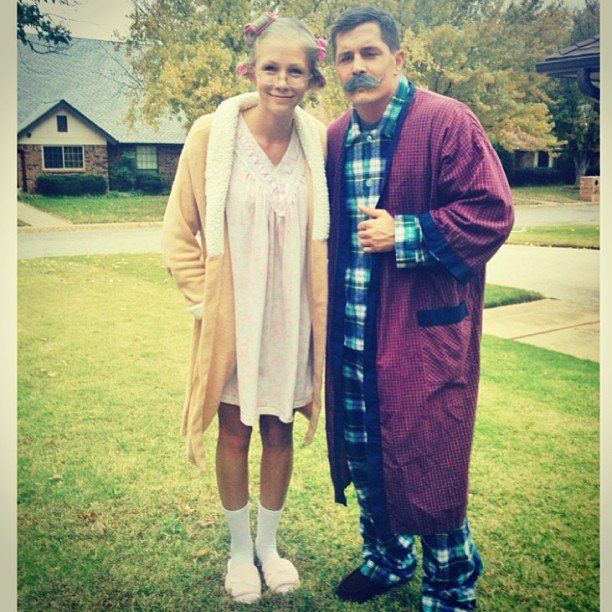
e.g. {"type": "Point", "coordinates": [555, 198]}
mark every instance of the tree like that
{"type": "Point", "coordinates": [50, 36]}
{"type": "Point", "coordinates": [586, 21]}
{"type": "Point", "coordinates": [488, 62]}
{"type": "Point", "coordinates": [576, 117]}
{"type": "Point", "coordinates": [482, 52]}
{"type": "Point", "coordinates": [577, 125]}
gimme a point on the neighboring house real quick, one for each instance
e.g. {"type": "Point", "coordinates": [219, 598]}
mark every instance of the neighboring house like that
{"type": "Point", "coordinates": [72, 107]}
{"type": "Point", "coordinates": [533, 159]}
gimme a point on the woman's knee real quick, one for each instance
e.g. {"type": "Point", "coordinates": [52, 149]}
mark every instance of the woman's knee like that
{"type": "Point", "coordinates": [234, 435]}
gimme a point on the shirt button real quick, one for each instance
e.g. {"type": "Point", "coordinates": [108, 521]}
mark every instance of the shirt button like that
{"type": "Point", "coordinates": [368, 183]}
{"type": "Point", "coordinates": [369, 138]}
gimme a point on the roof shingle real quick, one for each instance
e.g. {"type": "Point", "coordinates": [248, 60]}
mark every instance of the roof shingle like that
{"type": "Point", "coordinates": [95, 78]}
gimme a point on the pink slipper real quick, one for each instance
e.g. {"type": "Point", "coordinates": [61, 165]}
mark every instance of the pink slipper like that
{"type": "Point", "coordinates": [243, 583]}
{"type": "Point", "coordinates": [280, 575]}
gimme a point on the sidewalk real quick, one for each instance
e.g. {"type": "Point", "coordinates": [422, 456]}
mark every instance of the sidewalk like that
{"type": "Point", "coordinates": [565, 327]}
{"type": "Point", "coordinates": [39, 219]}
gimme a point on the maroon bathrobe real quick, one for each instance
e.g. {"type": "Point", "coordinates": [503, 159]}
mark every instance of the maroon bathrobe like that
{"type": "Point", "coordinates": [423, 327]}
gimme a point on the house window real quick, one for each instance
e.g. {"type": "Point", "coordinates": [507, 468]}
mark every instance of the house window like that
{"type": "Point", "coordinates": [56, 158]}
{"type": "Point", "coordinates": [543, 159]}
{"type": "Point", "coordinates": [146, 157]}
{"type": "Point", "coordinates": [62, 123]}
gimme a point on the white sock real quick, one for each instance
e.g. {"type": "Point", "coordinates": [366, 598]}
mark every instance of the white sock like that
{"type": "Point", "coordinates": [265, 542]}
{"type": "Point", "coordinates": [241, 544]}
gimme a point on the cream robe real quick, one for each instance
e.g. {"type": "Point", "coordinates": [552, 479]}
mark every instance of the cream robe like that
{"type": "Point", "coordinates": [203, 272]}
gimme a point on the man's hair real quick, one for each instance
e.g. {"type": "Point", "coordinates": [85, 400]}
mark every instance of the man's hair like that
{"type": "Point", "coordinates": [360, 14]}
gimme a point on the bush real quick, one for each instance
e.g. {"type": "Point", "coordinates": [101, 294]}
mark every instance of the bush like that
{"type": "Point", "coordinates": [150, 183]}
{"type": "Point", "coordinates": [122, 178]}
{"type": "Point", "coordinates": [535, 176]}
{"type": "Point", "coordinates": [507, 160]}
{"type": "Point", "coordinates": [70, 184]}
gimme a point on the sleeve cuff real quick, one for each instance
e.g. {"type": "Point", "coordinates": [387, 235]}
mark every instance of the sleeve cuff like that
{"type": "Point", "coordinates": [442, 251]}
{"type": "Point", "coordinates": [410, 248]}
{"type": "Point", "coordinates": [196, 310]}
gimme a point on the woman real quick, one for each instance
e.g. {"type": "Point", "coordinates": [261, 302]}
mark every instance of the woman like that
{"type": "Point", "coordinates": [251, 180]}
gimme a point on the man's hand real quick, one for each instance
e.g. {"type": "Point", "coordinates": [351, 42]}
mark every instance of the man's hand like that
{"type": "Point", "coordinates": [377, 234]}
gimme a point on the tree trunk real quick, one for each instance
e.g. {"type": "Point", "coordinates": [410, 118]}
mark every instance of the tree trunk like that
{"type": "Point", "coordinates": [581, 165]}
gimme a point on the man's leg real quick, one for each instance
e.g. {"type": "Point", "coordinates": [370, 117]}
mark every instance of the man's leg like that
{"type": "Point", "coordinates": [451, 566]}
{"type": "Point", "coordinates": [386, 562]}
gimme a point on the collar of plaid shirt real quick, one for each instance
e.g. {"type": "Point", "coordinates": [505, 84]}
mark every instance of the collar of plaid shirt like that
{"type": "Point", "coordinates": [386, 124]}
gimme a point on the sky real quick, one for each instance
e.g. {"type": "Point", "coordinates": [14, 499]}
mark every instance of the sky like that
{"type": "Point", "coordinates": [100, 18]}
{"type": "Point", "coordinates": [92, 18]}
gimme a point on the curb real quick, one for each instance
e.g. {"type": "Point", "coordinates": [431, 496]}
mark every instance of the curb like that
{"type": "Point", "coordinates": [88, 226]}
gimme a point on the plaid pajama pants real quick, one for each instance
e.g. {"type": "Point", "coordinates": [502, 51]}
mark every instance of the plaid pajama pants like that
{"type": "Point", "coordinates": [451, 564]}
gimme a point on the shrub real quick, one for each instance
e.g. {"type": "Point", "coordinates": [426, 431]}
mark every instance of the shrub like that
{"type": "Point", "coordinates": [70, 184]}
{"type": "Point", "coordinates": [150, 183]}
{"type": "Point", "coordinates": [122, 178]}
{"type": "Point", "coordinates": [123, 174]}
{"type": "Point", "coordinates": [507, 160]}
{"type": "Point", "coordinates": [535, 176]}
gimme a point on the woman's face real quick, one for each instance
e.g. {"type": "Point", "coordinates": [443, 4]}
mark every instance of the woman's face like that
{"type": "Point", "coordinates": [281, 75]}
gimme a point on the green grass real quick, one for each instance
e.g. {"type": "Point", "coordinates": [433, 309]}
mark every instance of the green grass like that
{"type": "Point", "coordinates": [579, 236]}
{"type": "Point", "coordinates": [499, 295]}
{"type": "Point", "coordinates": [538, 194]}
{"type": "Point", "coordinates": [116, 207]}
{"type": "Point", "coordinates": [112, 516]}
{"type": "Point", "coordinates": [113, 207]}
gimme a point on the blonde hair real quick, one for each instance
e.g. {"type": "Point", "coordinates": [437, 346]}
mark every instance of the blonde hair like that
{"type": "Point", "coordinates": [293, 29]}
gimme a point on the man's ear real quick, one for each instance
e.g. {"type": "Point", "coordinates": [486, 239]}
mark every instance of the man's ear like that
{"type": "Point", "coordinates": [399, 61]}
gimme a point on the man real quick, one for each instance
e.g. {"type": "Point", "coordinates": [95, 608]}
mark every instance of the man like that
{"type": "Point", "coordinates": [419, 204]}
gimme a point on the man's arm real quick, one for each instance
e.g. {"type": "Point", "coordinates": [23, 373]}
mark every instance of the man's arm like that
{"type": "Point", "coordinates": [382, 232]}
{"type": "Point", "coordinates": [476, 214]}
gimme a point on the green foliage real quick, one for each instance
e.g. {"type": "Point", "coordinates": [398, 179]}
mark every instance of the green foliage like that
{"type": "Point", "coordinates": [478, 51]}
{"type": "Point", "coordinates": [576, 117]}
{"type": "Point", "coordinates": [488, 62]}
{"type": "Point", "coordinates": [125, 177]}
{"type": "Point", "coordinates": [49, 35]}
{"type": "Point", "coordinates": [70, 184]}
{"type": "Point", "coordinates": [586, 21]}
{"type": "Point", "coordinates": [123, 174]}
{"type": "Point", "coordinates": [535, 176]}
{"type": "Point", "coordinates": [122, 178]}
{"type": "Point", "coordinates": [150, 183]}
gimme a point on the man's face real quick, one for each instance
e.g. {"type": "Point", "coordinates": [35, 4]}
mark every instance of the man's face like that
{"type": "Point", "coordinates": [362, 51]}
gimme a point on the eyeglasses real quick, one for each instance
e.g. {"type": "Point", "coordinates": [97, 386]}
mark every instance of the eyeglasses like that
{"type": "Point", "coordinates": [294, 77]}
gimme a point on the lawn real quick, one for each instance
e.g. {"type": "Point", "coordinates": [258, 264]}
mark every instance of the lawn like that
{"type": "Point", "coordinates": [499, 295]}
{"type": "Point", "coordinates": [114, 207]}
{"type": "Point", "coordinates": [112, 516]}
{"type": "Point", "coordinates": [538, 194]}
{"type": "Point", "coordinates": [579, 236]}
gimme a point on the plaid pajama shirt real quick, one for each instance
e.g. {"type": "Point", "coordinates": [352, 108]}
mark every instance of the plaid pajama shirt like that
{"type": "Point", "coordinates": [364, 172]}
{"type": "Point", "coordinates": [450, 561]}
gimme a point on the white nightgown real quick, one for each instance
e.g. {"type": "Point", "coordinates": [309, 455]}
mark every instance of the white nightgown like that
{"type": "Point", "coordinates": [267, 211]}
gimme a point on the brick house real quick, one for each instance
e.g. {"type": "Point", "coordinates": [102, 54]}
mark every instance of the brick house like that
{"type": "Point", "coordinates": [72, 108]}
